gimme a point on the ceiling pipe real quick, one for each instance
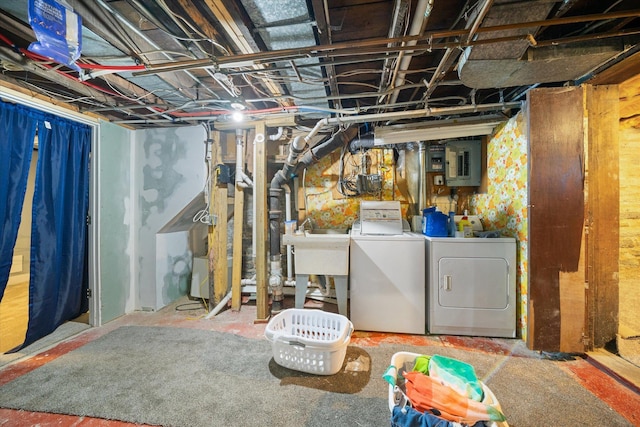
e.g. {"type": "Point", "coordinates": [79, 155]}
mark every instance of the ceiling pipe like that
{"type": "Point", "coordinates": [227, 108]}
{"type": "Point", "coordinates": [362, 118]}
{"type": "Point", "coordinates": [419, 23]}
{"type": "Point", "coordinates": [397, 22]}
{"type": "Point", "coordinates": [335, 49]}
{"type": "Point", "coordinates": [414, 114]}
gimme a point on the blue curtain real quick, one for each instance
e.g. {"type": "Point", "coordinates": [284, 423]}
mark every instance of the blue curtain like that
{"type": "Point", "coordinates": [57, 290]}
{"type": "Point", "coordinates": [17, 131]}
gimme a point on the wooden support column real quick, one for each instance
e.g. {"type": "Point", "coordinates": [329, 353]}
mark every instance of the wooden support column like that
{"type": "Point", "coordinates": [260, 198]}
{"type": "Point", "coordinates": [218, 264]}
{"type": "Point", "coordinates": [603, 214]}
{"type": "Point", "coordinates": [238, 223]}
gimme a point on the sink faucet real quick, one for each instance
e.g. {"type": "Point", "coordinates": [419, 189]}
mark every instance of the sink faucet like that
{"type": "Point", "coordinates": [308, 221]}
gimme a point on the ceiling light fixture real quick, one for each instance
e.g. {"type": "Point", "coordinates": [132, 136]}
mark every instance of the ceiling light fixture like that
{"type": "Point", "coordinates": [238, 106]}
{"type": "Point", "coordinates": [237, 116]}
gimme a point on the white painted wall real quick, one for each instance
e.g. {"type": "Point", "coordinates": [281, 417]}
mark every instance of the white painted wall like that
{"type": "Point", "coordinates": [169, 171]}
{"type": "Point", "coordinates": [116, 249]}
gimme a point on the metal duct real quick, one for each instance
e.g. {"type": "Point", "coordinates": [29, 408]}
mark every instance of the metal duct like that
{"type": "Point", "coordinates": [516, 63]}
{"type": "Point", "coordinates": [543, 65]}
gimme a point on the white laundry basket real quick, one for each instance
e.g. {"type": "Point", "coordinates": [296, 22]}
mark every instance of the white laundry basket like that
{"type": "Point", "coordinates": [312, 341]}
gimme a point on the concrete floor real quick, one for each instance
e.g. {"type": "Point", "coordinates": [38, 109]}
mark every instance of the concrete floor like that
{"type": "Point", "coordinates": [620, 395]}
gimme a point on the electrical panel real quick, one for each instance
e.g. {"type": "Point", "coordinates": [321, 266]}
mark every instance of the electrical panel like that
{"type": "Point", "coordinates": [435, 158]}
{"type": "Point", "coordinates": [463, 163]}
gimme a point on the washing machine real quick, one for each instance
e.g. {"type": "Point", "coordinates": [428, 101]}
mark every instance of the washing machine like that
{"type": "Point", "coordinates": [386, 272]}
{"type": "Point", "coordinates": [471, 286]}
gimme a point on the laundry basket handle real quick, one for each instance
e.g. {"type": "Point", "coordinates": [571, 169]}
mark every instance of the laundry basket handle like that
{"type": "Point", "coordinates": [297, 344]}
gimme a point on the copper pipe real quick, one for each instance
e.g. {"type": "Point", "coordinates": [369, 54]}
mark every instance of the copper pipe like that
{"type": "Point", "coordinates": [356, 48]}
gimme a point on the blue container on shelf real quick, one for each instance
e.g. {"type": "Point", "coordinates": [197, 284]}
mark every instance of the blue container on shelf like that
{"type": "Point", "coordinates": [434, 223]}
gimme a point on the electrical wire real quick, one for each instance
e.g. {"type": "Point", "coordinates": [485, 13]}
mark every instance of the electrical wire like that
{"type": "Point", "coordinates": [180, 307]}
{"type": "Point", "coordinates": [347, 186]}
{"type": "Point", "coordinates": [168, 10]}
{"type": "Point", "coordinates": [122, 95]}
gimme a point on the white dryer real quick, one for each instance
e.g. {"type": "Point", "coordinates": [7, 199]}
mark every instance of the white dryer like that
{"type": "Point", "coordinates": [471, 286]}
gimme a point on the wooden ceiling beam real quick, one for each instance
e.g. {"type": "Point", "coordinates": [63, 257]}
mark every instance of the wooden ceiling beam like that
{"type": "Point", "coordinates": [242, 37]}
{"type": "Point", "coordinates": [619, 72]}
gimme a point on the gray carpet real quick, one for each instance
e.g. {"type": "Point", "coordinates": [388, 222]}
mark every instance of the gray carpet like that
{"type": "Point", "coordinates": [186, 377]}
{"type": "Point", "coordinates": [64, 331]}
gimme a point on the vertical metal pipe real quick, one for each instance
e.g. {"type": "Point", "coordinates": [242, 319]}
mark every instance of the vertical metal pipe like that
{"type": "Point", "coordinates": [418, 24]}
{"type": "Point", "coordinates": [422, 174]}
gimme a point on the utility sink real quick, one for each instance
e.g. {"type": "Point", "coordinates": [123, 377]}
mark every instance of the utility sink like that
{"type": "Point", "coordinates": [320, 251]}
{"type": "Point", "coordinates": [327, 231]}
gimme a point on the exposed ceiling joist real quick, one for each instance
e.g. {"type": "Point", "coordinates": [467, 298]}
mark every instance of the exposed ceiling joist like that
{"type": "Point", "coordinates": [354, 61]}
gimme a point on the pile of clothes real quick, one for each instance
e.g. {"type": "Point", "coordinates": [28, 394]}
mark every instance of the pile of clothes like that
{"type": "Point", "coordinates": [436, 390]}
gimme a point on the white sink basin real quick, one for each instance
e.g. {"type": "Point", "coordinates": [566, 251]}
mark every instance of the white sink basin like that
{"type": "Point", "coordinates": [323, 251]}
{"type": "Point", "coordinates": [328, 231]}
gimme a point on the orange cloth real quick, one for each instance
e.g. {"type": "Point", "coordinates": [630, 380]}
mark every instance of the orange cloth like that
{"type": "Point", "coordinates": [427, 393]}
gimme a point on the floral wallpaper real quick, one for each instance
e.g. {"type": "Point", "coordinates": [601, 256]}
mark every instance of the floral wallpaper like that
{"type": "Point", "coordinates": [327, 208]}
{"type": "Point", "coordinates": [504, 205]}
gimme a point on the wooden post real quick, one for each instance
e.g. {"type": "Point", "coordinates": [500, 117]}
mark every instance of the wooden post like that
{"type": "Point", "coordinates": [602, 104]}
{"type": "Point", "coordinates": [218, 264]}
{"type": "Point", "coordinates": [238, 223]}
{"type": "Point", "coordinates": [260, 198]}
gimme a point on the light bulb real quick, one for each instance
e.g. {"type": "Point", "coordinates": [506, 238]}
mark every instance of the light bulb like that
{"type": "Point", "coordinates": [237, 116]}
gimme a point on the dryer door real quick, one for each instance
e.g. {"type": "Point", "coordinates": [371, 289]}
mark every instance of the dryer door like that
{"type": "Point", "coordinates": [473, 283]}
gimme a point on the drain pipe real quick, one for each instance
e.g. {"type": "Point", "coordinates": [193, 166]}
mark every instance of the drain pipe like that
{"type": "Point", "coordinates": [340, 138]}
{"type": "Point", "coordinates": [366, 142]}
{"type": "Point", "coordinates": [292, 164]}
{"type": "Point", "coordinates": [276, 284]}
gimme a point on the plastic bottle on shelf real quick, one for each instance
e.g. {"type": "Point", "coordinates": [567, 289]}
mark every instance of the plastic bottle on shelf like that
{"type": "Point", "coordinates": [452, 224]}
{"type": "Point", "coordinates": [465, 226]}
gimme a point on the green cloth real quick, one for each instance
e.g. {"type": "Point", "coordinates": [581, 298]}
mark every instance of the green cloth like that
{"type": "Point", "coordinates": [422, 364]}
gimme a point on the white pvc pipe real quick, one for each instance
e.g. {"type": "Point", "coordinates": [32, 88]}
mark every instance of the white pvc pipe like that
{"type": "Point", "coordinates": [278, 135]}
{"type": "Point", "coordinates": [316, 129]}
{"type": "Point", "coordinates": [242, 180]}
{"type": "Point", "coordinates": [219, 307]}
